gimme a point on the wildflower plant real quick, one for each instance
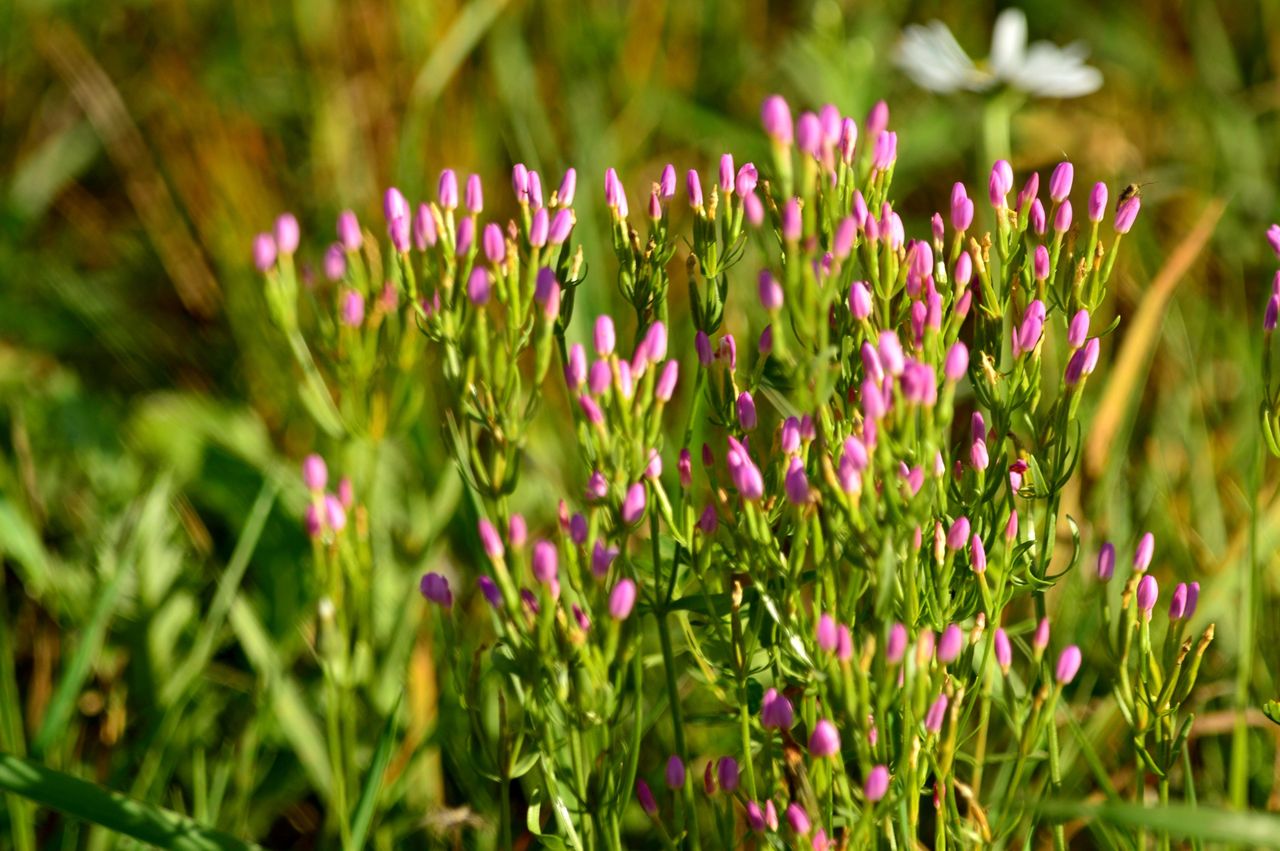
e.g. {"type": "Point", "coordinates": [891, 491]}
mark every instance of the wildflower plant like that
{"type": "Point", "coordinates": [807, 598]}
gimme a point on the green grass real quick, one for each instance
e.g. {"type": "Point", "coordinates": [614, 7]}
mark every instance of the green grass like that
{"type": "Point", "coordinates": [155, 576]}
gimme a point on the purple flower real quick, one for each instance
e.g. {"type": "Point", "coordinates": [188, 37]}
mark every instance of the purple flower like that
{"type": "Point", "coordinates": [490, 591]}
{"type": "Point", "coordinates": [1273, 238]}
{"type": "Point", "coordinates": [825, 739]}
{"type": "Point", "coordinates": [755, 818]}
{"type": "Point", "coordinates": [645, 796]}
{"type": "Point", "coordinates": [545, 562]}
{"type": "Point", "coordinates": [352, 309]}
{"type": "Point", "coordinates": [675, 772]}
{"type": "Point", "coordinates": [490, 540]}
{"type": "Point", "coordinates": [538, 227]}
{"type": "Point", "coordinates": [727, 773]}
{"type": "Point", "coordinates": [950, 645]}
{"type": "Point", "coordinates": [1036, 218]}
{"type": "Point", "coordinates": [796, 483]}
{"type": "Point", "coordinates": [775, 115]}
{"type": "Point", "coordinates": [1098, 202]}
{"type": "Point", "coordinates": [957, 362]}
{"type": "Point", "coordinates": [798, 819]}
{"type": "Point", "coordinates": [264, 252]}
{"type": "Point", "coordinates": [1106, 561]}
{"type": "Point", "coordinates": [977, 555]}
{"type": "Point", "coordinates": [792, 223]}
{"type": "Point", "coordinates": [575, 371]}
{"type": "Point", "coordinates": [1127, 212]}
{"type": "Point", "coordinates": [436, 589]}
{"type": "Point", "coordinates": [978, 456]}
{"type": "Point", "coordinates": [1060, 182]}
{"type": "Point", "coordinates": [1068, 664]}
{"type": "Point", "coordinates": [561, 226]}
{"type": "Point", "coordinates": [958, 534]}
{"type": "Point", "coordinates": [535, 189]}
{"type": "Point", "coordinates": [447, 191]}
{"type": "Point", "coordinates": [746, 181]}
{"type": "Point", "coordinates": [425, 233]}
{"type": "Point", "coordinates": [746, 411]}
{"type": "Point", "coordinates": [726, 173]}
{"type": "Point", "coordinates": [809, 134]}
{"type": "Point", "coordinates": [287, 233]}
{"type": "Point", "coordinates": [478, 286]}
{"type": "Point", "coordinates": [622, 599]}
{"type": "Point", "coordinates": [877, 784]}
{"type": "Point", "coordinates": [602, 558]}
{"type": "Point", "coordinates": [1062, 218]}
{"type": "Point", "coordinates": [1028, 333]}
{"type": "Point", "coordinates": [1000, 184]}
{"type": "Point", "coordinates": [1273, 313]}
{"type": "Point", "coordinates": [885, 151]}
{"type": "Point", "coordinates": [936, 715]}
{"type": "Point", "coordinates": [859, 300]}
{"type": "Point", "coordinates": [1148, 593]}
{"type": "Point", "coordinates": [1004, 651]}
{"type": "Point", "coordinates": [693, 183]}
{"type": "Point", "coordinates": [633, 504]}
{"type": "Point", "coordinates": [614, 195]}
{"type": "Point", "coordinates": [393, 205]}
{"type": "Point", "coordinates": [844, 643]}
{"type": "Point", "coordinates": [744, 473]}
{"type": "Point", "coordinates": [961, 208]}
{"type": "Point", "coordinates": [520, 182]}
{"type": "Point", "coordinates": [335, 515]}
{"type": "Point", "coordinates": [666, 384]}
{"type": "Point", "coordinates": [335, 262]}
{"type": "Point", "coordinates": [826, 633]}
{"type": "Point", "coordinates": [1082, 363]}
{"type": "Point", "coordinates": [349, 233]}
{"type": "Point", "coordinates": [896, 646]}
{"type": "Point", "coordinates": [1145, 550]}
{"type": "Point", "coordinates": [848, 139]}
{"type": "Point", "coordinates": [314, 473]}
{"type": "Point", "coordinates": [475, 195]}
{"type": "Point", "coordinates": [754, 209]}
{"type": "Point", "coordinates": [775, 711]}
{"type": "Point", "coordinates": [770, 291]}
{"type": "Point", "coordinates": [604, 337]}
{"type": "Point", "coordinates": [517, 531]}
{"type": "Point", "coordinates": [655, 342]}
{"type": "Point", "coordinates": [1178, 602]}
{"type": "Point", "coordinates": [1041, 263]}
{"type": "Point", "coordinates": [1040, 640]}
{"type": "Point", "coordinates": [494, 243]}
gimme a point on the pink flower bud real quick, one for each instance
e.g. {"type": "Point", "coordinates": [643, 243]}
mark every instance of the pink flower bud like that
{"type": "Point", "coordinates": [633, 504]}
{"type": "Point", "coordinates": [896, 646]}
{"type": "Point", "coordinates": [435, 588]}
{"type": "Point", "coordinates": [694, 184]}
{"type": "Point", "coordinates": [447, 191]}
{"type": "Point", "coordinates": [1068, 664]}
{"type": "Point", "coordinates": [352, 309]}
{"type": "Point", "coordinates": [746, 181]}
{"type": "Point", "coordinates": [314, 473]}
{"type": "Point", "coordinates": [825, 739]}
{"type": "Point", "coordinates": [885, 151]}
{"type": "Point", "coordinates": [958, 534]}
{"type": "Point", "coordinates": [957, 362]}
{"type": "Point", "coordinates": [1004, 650]}
{"type": "Point", "coordinates": [605, 337]}
{"type": "Point", "coordinates": [1041, 263]}
{"type": "Point", "coordinates": [490, 540]}
{"type": "Point", "coordinates": [1062, 218]}
{"type": "Point", "coordinates": [950, 645]}
{"type": "Point", "coordinates": [1145, 550]}
{"type": "Point", "coordinates": [1178, 602]}
{"type": "Point", "coordinates": [1106, 562]}
{"type": "Point", "coordinates": [775, 115]}
{"type": "Point", "coordinates": [1060, 182]}
{"type": "Point", "coordinates": [775, 711]}
{"type": "Point", "coordinates": [977, 555]}
{"type": "Point", "coordinates": [798, 819]}
{"type": "Point", "coordinates": [1098, 202]}
{"type": "Point", "coordinates": [1036, 218]}
{"type": "Point", "coordinates": [645, 796]}
{"type": "Point", "coordinates": [826, 633]}
{"type": "Point", "coordinates": [1148, 593]}
{"type": "Point", "coordinates": [746, 406]}
{"type": "Point", "coordinates": [349, 234]}
{"type": "Point", "coordinates": [1127, 213]}
{"type": "Point", "coordinates": [1000, 184]}
{"type": "Point", "coordinates": [877, 784]}
{"type": "Point", "coordinates": [264, 252]}
{"type": "Point", "coordinates": [538, 227]}
{"type": "Point", "coordinates": [727, 773]}
{"type": "Point", "coordinates": [936, 715]}
{"type": "Point", "coordinates": [545, 562]}
{"type": "Point", "coordinates": [478, 286]}
{"type": "Point", "coordinates": [675, 772]}
{"type": "Point", "coordinates": [791, 220]}
{"type": "Point", "coordinates": [622, 599]}
{"type": "Point", "coordinates": [475, 195]}
{"type": "Point", "coordinates": [568, 188]}
{"type": "Point", "coordinates": [770, 291]}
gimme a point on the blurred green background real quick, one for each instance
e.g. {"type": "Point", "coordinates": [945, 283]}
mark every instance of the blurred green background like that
{"type": "Point", "coordinates": [145, 399]}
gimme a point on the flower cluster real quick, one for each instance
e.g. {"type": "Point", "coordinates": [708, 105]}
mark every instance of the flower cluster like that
{"type": "Point", "coordinates": [845, 569]}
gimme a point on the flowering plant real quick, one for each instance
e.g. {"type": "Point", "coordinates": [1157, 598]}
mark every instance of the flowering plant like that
{"type": "Point", "coordinates": [847, 569]}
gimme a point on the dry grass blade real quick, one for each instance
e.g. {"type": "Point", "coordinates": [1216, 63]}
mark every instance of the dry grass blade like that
{"type": "Point", "coordinates": [1144, 330]}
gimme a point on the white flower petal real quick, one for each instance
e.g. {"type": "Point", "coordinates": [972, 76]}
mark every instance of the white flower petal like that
{"type": "Point", "coordinates": [1050, 71]}
{"type": "Point", "coordinates": [1008, 42]}
{"type": "Point", "coordinates": [934, 60]}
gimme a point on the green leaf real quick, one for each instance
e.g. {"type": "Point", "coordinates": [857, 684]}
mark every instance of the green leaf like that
{"type": "Point", "coordinates": [83, 800]}
{"type": "Point", "coordinates": [1178, 821]}
{"type": "Point", "coordinates": [362, 817]}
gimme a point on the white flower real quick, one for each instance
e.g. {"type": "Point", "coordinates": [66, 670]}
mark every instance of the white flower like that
{"type": "Point", "coordinates": [933, 58]}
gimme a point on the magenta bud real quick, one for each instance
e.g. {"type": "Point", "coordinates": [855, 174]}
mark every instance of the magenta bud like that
{"type": "Point", "coordinates": [605, 337]}
{"type": "Point", "coordinates": [1098, 202]}
{"type": "Point", "coordinates": [349, 234]}
{"type": "Point", "coordinates": [950, 645]}
{"type": "Point", "coordinates": [755, 818]}
{"type": "Point", "coordinates": [633, 504]}
{"type": "Point", "coordinates": [809, 134]}
{"type": "Point", "coordinates": [1148, 592]}
{"type": "Point", "coordinates": [1060, 182]}
{"type": "Point", "coordinates": [775, 116]}
{"type": "Point", "coordinates": [667, 182]}
{"type": "Point", "coordinates": [1041, 264]}
{"type": "Point", "coordinates": [478, 286]}
{"type": "Point", "coordinates": [1062, 218]}
{"type": "Point", "coordinates": [334, 513]}
{"type": "Point", "coordinates": [936, 715]}
{"type": "Point", "coordinates": [622, 599]}
{"type": "Point", "coordinates": [826, 633]}
{"type": "Point", "coordinates": [1178, 602]}
{"type": "Point", "coordinates": [746, 411]}
{"type": "Point", "coordinates": [1068, 664]}
{"type": "Point", "coordinates": [1126, 213]}
{"type": "Point", "coordinates": [977, 555]}
{"type": "Point", "coordinates": [490, 591]}
{"type": "Point", "coordinates": [535, 189]}
{"type": "Point", "coordinates": [1272, 314]}
{"type": "Point", "coordinates": [666, 384]}
{"type": "Point", "coordinates": [447, 190]}
{"type": "Point", "coordinates": [1106, 561]}
{"type": "Point", "coordinates": [314, 473]}
{"type": "Point", "coordinates": [335, 262]}
{"type": "Point", "coordinates": [1078, 330]}
{"type": "Point", "coordinates": [435, 588]}
{"type": "Point", "coordinates": [957, 362]}
{"type": "Point", "coordinates": [727, 773]}
{"type": "Point", "coordinates": [264, 252]}
{"type": "Point", "coordinates": [474, 195]}
{"type": "Point", "coordinates": [877, 784]}
{"type": "Point", "coordinates": [575, 371]}
{"type": "Point", "coordinates": [1004, 650]}
{"type": "Point", "coordinates": [538, 227]}
{"type": "Point", "coordinates": [495, 244]}
{"type": "Point", "coordinates": [727, 174]}
{"type": "Point", "coordinates": [844, 643]}
{"type": "Point", "coordinates": [770, 291]}
{"type": "Point", "coordinates": [520, 182]}
{"type": "Point", "coordinates": [568, 188]}
{"type": "Point", "coordinates": [798, 819]}
{"type": "Point", "coordinates": [1000, 184]}
{"type": "Point", "coordinates": [645, 796]}
{"type": "Point", "coordinates": [545, 562]}
{"type": "Point", "coordinates": [825, 739]}
{"type": "Point", "coordinates": [1193, 597]}
{"type": "Point", "coordinates": [693, 183]}
{"type": "Point", "coordinates": [958, 534]}
{"type": "Point", "coordinates": [1144, 552]}
{"type": "Point", "coordinates": [393, 205]}
{"type": "Point", "coordinates": [885, 151]}
{"type": "Point", "coordinates": [747, 179]}
{"type": "Point", "coordinates": [791, 220]}
{"type": "Point", "coordinates": [964, 269]}
{"type": "Point", "coordinates": [896, 646]}
{"type": "Point", "coordinates": [287, 233]}
{"type": "Point", "coordinates": [775, 711]}
{"type": "Point", "coordinates": [675, 772]}
{"type": "Point", "coordinates": [346, 492]}
{"type": "Point", "coordinates": [978, 457]}
{"type": "Point", "coordinates": [1036, 218]}
{"type": "Point", "coordinates": [490, 539]}
{"type": "Point", "coordinates": [352, 309]}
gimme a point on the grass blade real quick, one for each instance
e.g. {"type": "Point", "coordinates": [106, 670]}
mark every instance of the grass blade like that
{"type": "Point", "coordinates": [362, 817]}
{"type": "Point", "coordinates": [84, 800]}
{"type": "Point", "coordinates": [1178, 821]}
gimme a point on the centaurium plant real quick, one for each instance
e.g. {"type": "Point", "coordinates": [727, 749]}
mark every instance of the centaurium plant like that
{"type": "Point", "coordinates": [840, 537]}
